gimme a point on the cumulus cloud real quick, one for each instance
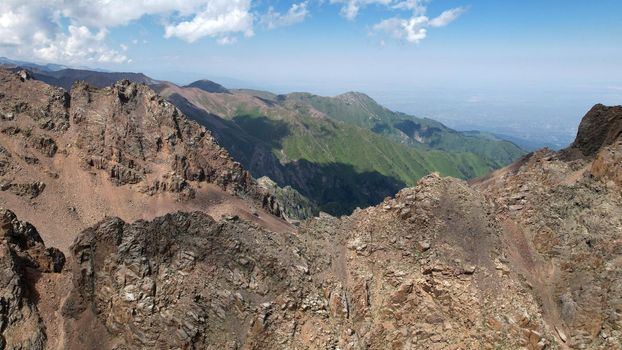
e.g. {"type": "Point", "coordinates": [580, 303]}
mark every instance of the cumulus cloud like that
{"type": "Point", "coordinates": [20, 22]}
{"type": "Point", "coordinates": [296, 14]}
{"type": "Point", "coordinates": [414, 29]}
{"type": "Point", "coordinates": [38, 29]}
{"type": "Point", "coordinates": [28, 29]}
{"type": "Point", "coordinates": [77, 31]}
{"type": "Point", "coordinates": [219, 18]}
{"type": "Point", "coordinates": [112, 13]}
{"type": "Point", "coordinates": [81, 45]}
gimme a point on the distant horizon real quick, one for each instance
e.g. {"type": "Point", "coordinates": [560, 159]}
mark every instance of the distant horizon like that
{"type": "Point", "coordinates": [426, 106]}
{"type": "Point", "coordinates": [526, 68]}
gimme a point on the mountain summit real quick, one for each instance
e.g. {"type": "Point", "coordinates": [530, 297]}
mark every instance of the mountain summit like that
{"type": "Point", "coordinates": [208, 86]}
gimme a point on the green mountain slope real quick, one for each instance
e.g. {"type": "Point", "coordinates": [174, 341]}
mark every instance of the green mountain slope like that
{"type": "Point", "coordinates": [337, 162]}
{"type": "Point", "coordinates": [361, 110]}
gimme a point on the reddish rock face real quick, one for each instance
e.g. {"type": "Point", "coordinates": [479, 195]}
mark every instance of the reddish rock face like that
{"type": "Point", "coordinates": [137, 137]}
{"type": "Point", "coordinates": [126, 131]}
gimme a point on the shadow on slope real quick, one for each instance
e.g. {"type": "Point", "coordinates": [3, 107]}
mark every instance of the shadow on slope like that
{"type": "Point", "coordinates": [271, 132]}
{"type": "Point", "coordinates": [337, 188]}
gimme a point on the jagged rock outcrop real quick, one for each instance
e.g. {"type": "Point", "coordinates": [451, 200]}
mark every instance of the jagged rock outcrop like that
{"type": "Point", "coordinates": [23, 255]}
{"type": "Point", "coordinates": [608, 163]}
{"type": "Point", "coordinates": [567, 211]}
{"type": "Point", "coordinates": [138, 137]}
{"type": "Point", "coordinates": [427, 270]}
{"type": "Point", "coordinates": [126, 131]}
{"type": "Point", "coordinates": [183, 281]}
{"type": "Point", "coordinates": [294, 205]}
{"type": "Point", "coordinates": [30, 190]}
{"type": "Point", "coordinates": [566, 226]}
{"type": "Point", "coordinates": [600, 127]}
{"type": "Point", "coordinates": [45, 104]}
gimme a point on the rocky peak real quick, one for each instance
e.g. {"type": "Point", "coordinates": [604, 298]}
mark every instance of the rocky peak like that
{"type": "Point", "coordinates": [182, 280]}
{"type": "Point", "coordinates": [128, 131]}
{"type": "Point", "coordinates": [148, 141]}
{"type": "Point", "coordinates": [600, 127]}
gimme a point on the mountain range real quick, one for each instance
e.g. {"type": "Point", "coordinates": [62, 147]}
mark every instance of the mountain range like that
{"type": "Point", "coordinates": [126, 225]}
{"type": "Point", "coordinates": [336, 153]}
{"type": "Point", "coordinates": [341, 152]}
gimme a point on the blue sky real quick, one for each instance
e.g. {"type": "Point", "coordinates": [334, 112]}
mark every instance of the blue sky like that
{"type": "Point", "coordinates": [492, 60]}
{"type": "Point", "coordinates": [521, 42]}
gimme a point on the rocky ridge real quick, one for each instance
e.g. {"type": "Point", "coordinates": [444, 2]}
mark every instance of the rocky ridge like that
{"type": "Point", "coordinates": [125, 130]}
{"type": "Point", "coordinates": [77, 153]}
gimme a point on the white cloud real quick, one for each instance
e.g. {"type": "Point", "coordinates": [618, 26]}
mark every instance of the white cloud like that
{"type": "Point", "coordinates": [351, 8]}
{"type": "Point", "coordinates": [30, 30]}
{"type": "Point", "coordinates": [38, 30]}
{"type": "Point", "coordinates": [112, 13]}
{"type": "Point", "coordinates": [74, 31]}
{"type": "Point", "coordinates": [81, 45]}
{"type": "Point", "coordinates": [447, 17]}
{"type": "Point", "coordinates": [218, 18]}
{"type": "Point", "coordinates": [296, 14]}
{"type": "Point", "coordinates": [21, 22]}
{"type": "Point", "coordinates": [414, 29]}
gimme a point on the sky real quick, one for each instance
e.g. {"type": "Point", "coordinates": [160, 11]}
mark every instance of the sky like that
{"type": "Point", "coordinates": [531, 68]}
